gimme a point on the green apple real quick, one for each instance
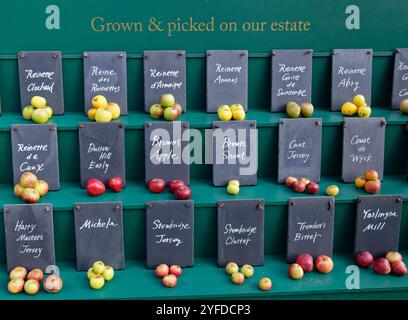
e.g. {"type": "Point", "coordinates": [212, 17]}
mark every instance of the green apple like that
{"type": "Point", "coordinates": [97, 282]}
{"type": "Point", "coordinates": [103, 115]}
{"type": "Point", "coordinates": [90, 273]}
{"type": "Point", "coordinates": [156, 111]}
{"type": "Point", "coordinates": [49, 111]}
{"type": "Point", "coordinates": [232, 189]}
{"type": "Point", "coordinates": [167, 100]}
{"type": "Point", "coordinates": [40, 116]}
{"type": "Point", "coordinates": [38, 102]}
{"type": "Point", "coordinates": [236, 182]}
{"type": "Point", "coordinates": [27, 112]}
{"type": "Point", "coordinates": [231, 268]}
{"type": "Point", "coordinates": [109, 273]}
{"type": "Point", "coordinates": [98, 267]}
{"type": "Point", "coordinates": [247, 270]}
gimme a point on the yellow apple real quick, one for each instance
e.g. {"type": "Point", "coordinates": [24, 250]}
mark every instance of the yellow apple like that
{"type": "Point", "coordinates": [238, 114]}
{"type": "Point", "coordinates": [49, 111]}
{"type": "Point", "coordinates": [103, 115]}
{"type": "Point", "coordinates": [38, 102]}
{"type": "Point", "coordinates": [114, 109]}
{"type": "Point", "coordinates": [91, 113]}
{"type": "Point", "coordinates": [99, 102]}
{"type": "Point", "coordinates": [359, 100]}
{"type": "Point", "coordinates": [40, 116]}
{"type": "Point", "coordinates": [28, 112]}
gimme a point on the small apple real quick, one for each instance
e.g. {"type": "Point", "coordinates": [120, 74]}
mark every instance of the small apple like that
{"type": "Point", "coordinates": [35, 274]}
{"type": "Point", "coordinates": [90, 273]}
{"type": "Point", "coordinates": [157, 185]}
{"type": "Point", "coordinates": [53, 283]}
{"type": "Point", "coordinates": [18, 190]}
{"type": "Point", "coordinates": [324, 264]}
{"type": "Point", "coordinates": [30, 195]}
{"type": "Point", "coordinates": [32, 287]}
{"type": "Point", "coordinates": [371, 175]}
{"type": "Point", "coordinates": [393, 256]}
{"type": "Point", "coordinates": [183, 193]}
{"type": "Point", "coordinates": [399, 268]}
{"type": "Point", "coordinates": [171, 114]}
{"type": "Point", "coordinates": [237, 278]}
{"type": "Point", "coordinates": [312, 188]}
{"type": "Point", "coordinates": [40, 116]}
{"type": "Point", "coordinates": [364, 259]}
{"type": "Point", "coordinates": [38, 102]}
{"type": "Point", "coordinates": [156, 111]}
{"type": "Point", "coordinates": [289, 181]}
{"type": "Point", "coordinates": [247, 270]}
{"type": "Point", "coordinates": [360, 182]}
{"type": "Point", "coordinates": [28, 112]}
{"type": "Point", "coordinates": [332, 190]}
{"type": "Point", "coordinates": [116, 184]}
{"type": "Point", "coordinates": [103, 115]}
{"type": "Point", "coordinates": [178, 108]}
{"type": "Point", "coordinates": [234, 181]}
{"type": "Point", "coordinates": [299, 186]}
{"type": "Point", "coordinates": [306, 181]}
{"type": "Point", "coordinates": [108, 273]}
{"type": "Point", "coordinates": [28, 180]}
{"type": "Point", "coordinates": [174, 184]}
{"type": "Point", "coordinates": [265, 284]}
{"type": "Point", "coordinates": [238, 114]}
{"type": "Point", "coordinates": [373, 186]}
{"type": "Point", "coordinates": [99, 102]}
{"type": "Point", "coordinates": [41, 187]}
{"type": "Point", "coordinates": [98, 267]}
{"type": "Point", "coordinates": [295, 271]}
{"type": "Point", "coordinates": [114, 109]}
{"type": "Point", "coordinates": [169, 281]}
{"type": "Point", "coordinates": [15, 286]}
{"type": "Point", "coordinates": [305, 261]}
{"type": "Point", "coordinates": [95, 187]}
{"type": "Point", "coordinates": [236, 106]}
{"type": "Point", "coordinates": [176, 270]}
{"type": "Point", "coordinates": [167, 100]}
{"type": "Point", "coordinates": [97, 282]}
{"type": "Point", "coordinates": [232, 188]}
{"type": "Point", "coordinates": [162, 270]}
{"type": "Point", "coordinates": [382, 266]}
{"type": "Point", "coordinates": [18, 273]}
{"type": "Point", "coordinates": [225, 114]}
{"type": "Point", "coordinates": [49, 111]}
{"type": "Point", "coordinates": [91, 113]}
{"type": "Point", "coordinates": [231, 268]}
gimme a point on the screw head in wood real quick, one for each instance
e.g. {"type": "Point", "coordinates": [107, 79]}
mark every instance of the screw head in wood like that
{"type": "Point", "coordinates": [121, 55]}
{"type": "Point", "coordinates": [117, 207]}
{"type": "Point", "coordinates": [148, 124]}
{"type": "Point", "coordinates": [149, 206]}
{"type": "Point", "coordinates": [180, 54]}
{"type": "Point", "coordinates": [345, 124]}
{"type": "Point", "coordinates": [383, 123]}
{"type": "Point", "coordinates": [121, 125]}
{"type": "Point", "coordinates": [55, 55]}
{"type": "Point", "coordinates": [23, 55]}
{"type": "Point", "coordinates": [310, 51]}
{"type": "Point", "coordinates": [317, 123]}
{"type": "Point", "coordinates": [334, 52]}
{"type": "Point", "coordinates": [368, 52]}
{"type": "Point", "coordinates": [398, 200]}
{"type": "Point", "coordinates": [47, 209]}
{"type": "Point", "coordinates": [188, 204]}
{"type": "Point", "coordinates": [78, 207]}
{"type": "Point", "coordinates": [292, 203]}
{"type": "Point", "coordinates": [221, 205]}
{"type": "Point", "coordinates": [86, 55]}
{"type": "Point", "coordinates": [260, 206]}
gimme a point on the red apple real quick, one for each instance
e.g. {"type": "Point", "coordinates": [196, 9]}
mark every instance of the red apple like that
{"type": "Point", "coordinates": [157, 185]}
{"type": "Point", "coordinates": [95, 187]}
{"type": "Point", "coordinates": [393, 256]}
{"type": "Point", "coordinates": [312, 188]}
{"type": "Point", "coordinates": [92, 180]}
{"type": "Point", "coordinates": [305, 260]}
{"type": "Point", "coordinates": [382, 266]}
{"type": "Point", "coordinates": [32, 287]}
{"type": "Point", "coordinates": [265, 284]}
{"type": "Point", "coordinates": [116, 184]}
{"type": "Point", "coordinates": [15, 286]}
{"type": "Point", "coordinates": [30, 195]}
{"type": "Point", "coordinates": [162, 270]}
{"type": "Point", "coordinates": [306, 181]}
{"type": "Point", "coordinates": [53, 283]}
{"type": "Point", "coordinates": [18, 190]}
{"type": "Point", "coordinates": [324, 264]}
{"type": "Point", "coordinates": [373, 186]}
{"type": "Point", "coordinates": [364, 259]}
{"type": "Point", "coordinates": [171, 113]}
{"type": "Point", "coordinates": [174, 184]}
{"type": "Point", "coordinates": [42, 187]}
{"type": "Point", "coordinates": [399, 268]}
{"type": "Point", "coordinates": [289, 181]}
{"type": "Point", "coordinates": [178, 107]}
{"type": "Point", "coordinates": [169, 281]}
{"type": "Point", "coordinates": [18, 273]}
{"type": "Point", "coordinates": [231, 268]}
{"type": "Point", "coordinates": [237, 278]}
{"type": "Point", "coordinates": [28, 180]}
{"type": "Point", "coordinates": [299, 186]}
{"type": "Point", "coordinates": [182, 192]}
{"type": "Point", "coordinates": [176, 270]}
{"type": "Point", "coordinates": [156, 111]}
{"type": "Point", "coordinates": [35, 274]}
{"type": "Point", "coordinates": [295, 271]}
{"type": "Point", "coordinates": [371, 175]}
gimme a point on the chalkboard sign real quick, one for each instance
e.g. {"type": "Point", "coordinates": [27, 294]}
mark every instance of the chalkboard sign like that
{"type": "Point", "coordinates": [363, 147]}
{"type": "Point", "coordinates": [241, 231]}
{"type": "Point", "coordinates": [105, 74]}
{"type": "Point", "coordinates": [378, 224]}
{"type": "Point", "coordinates": [102, 151]}
{"type": "Point", "coordinates": [300, 144]}
{"type": "Point", "coordinates": [170, 233]}
{"type": "Point", "coordinates": [99, 234]}
{"type": "Point", "coordinates": [165, 151]}
{"type": "Point", "coordinates": [235, 152]}
{"type": "Point", "coordinates": [400, 79]}
{"type": "Point", "coordinates": [29, 233]}
{"type": "Point", "coordinates": [35, 150]}
{"type": "Point", "coordinates": [310, 227]}
{"type": "Point", "coordinates": [40, 74]}
{"type": "Point", "coordinates": [227, 78]}
{"type": "Point", "coordinates": [351, 75]}
{"type": "Point", "coordinates": [164, 72]}
{"type": "Point", "coordinates": [291, 78]}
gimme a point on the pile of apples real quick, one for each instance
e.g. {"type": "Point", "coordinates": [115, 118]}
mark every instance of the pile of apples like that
{"type": "Point", "coordinates": [369, 181]}
{"type": "Point", "coordinates": [102, 110]}
{"type": "Point", "coordinates": [234, 111]}
{"type": "Point", "coordinates": [38, 111]}
{"type": "Point", "coordinates": [302, 184]}
{"type": "Point", "coordinates": [168, 274]}
{"type": "Point", "coordinates": [98, 274]}
{"type": "Point", "coordinates": [305, 109]}
{"type": "Point", "coordinates": [392, 262]}
{"type": "Point", "coordinates": [233, 187]}
{"type": "Point", "coordinates": [247, 271]}
{"type": "Point", "coordinates": [30, 283]}
{"type": "Point", "coordinates": [167, 108]}
{"type": "Point", "coordinates": [304, 263]}
{"type": "Point", "coordinates": [178, 187]}
{"type": "Point", "coordinates": [30, 189]}
{"type": "Point", "coordinates": [358, 106]}
{"type": "Point", "coordinates": [96, 187]}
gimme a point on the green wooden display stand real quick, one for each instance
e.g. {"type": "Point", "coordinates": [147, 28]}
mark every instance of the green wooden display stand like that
{"type": "Point", "coordinates": [383, 28]}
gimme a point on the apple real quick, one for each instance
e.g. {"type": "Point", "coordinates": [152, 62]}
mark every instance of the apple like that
{"type": "Point", "coordinates": [312, 188]}
{"type": "Point", "coordinates": [305, 261]}
{"type": "Point", "coordinates": [53, 283]}
{"type": "Point", "coordinates": [18, 273]}
{"type": "Point", "coordinates": [299, 186]}
{"type": "Point", "coordinates": [114, 109]}
{"type": "Point", "coordinates": [237, 278]}
{"type": "Point", "coordinates": [30, 195]}
{"type": "Point", "coordinates": [28, 180]}
{"type": "Point", "coordinates": [157, 185]}
{"type": "Point", "coordinates": [98, 267]}
{"type": "Point", "coordinates": [49, 111]}
{"type": "Point", "coordinates": [103, 115]}
{"type": "Point", "coordinates": [174, 184]}
{"type": "Point", "coordinates": [91, 113]}
{"type": "Point", "coordinates": [99, 102]}
{"type": "Point", "coordinates": [247, 270]}
{"type": "Point", "coordinates": [32, 287]}
{"type": "Point", "coordinates": [28, 112]}
{"type": "Point", "coordinates": [295, 271]}
{"type": "Point", "coordinates": [95, 188]}
{"type": "Point", "coordinates": [234, 181]}
{"type": "Point", "coordinates": [238, 114]}
{"type": "Point", "coordinates": [324, 264]}
{"type": "Point", "coordinates": [116, 184]}
{"type": "Point", "coordinates": [178, 108]}
{"type": "Point", "coordinates": [156, 111]}
{"type": "Point", "coordinates": [15, 286]}
{"type": "Point", "coordinates": [162, 270]}
{"type": "Point", "coordinates": [265, 284]}
{"type": "Point", "coordinates": [382, 266]}
{"type": "Point", "coordinates": [289, 181]}
{"type": "Point", "coordinates": [231, 268]}
{"type": "Point", "coordinates": [364, 259]}
{"type": "Point", "coordinates": [332, 190]}
{"type": "Point", "coordinates": [393, 256]}
{"type": "Point", "coordinates": [38, 102]}
{"type": "Point", "coordinates": [18, 190]}
{"type": "Point", "coordinates": [169, 281]}
{"type": "Point", "coordinates": [170, 114]}
{"type": "Point", "coordinates": [35, 274]}
{"type": "Point", "coordinates": [40, 116]}
{"type": "Point", "coordinates": [90, 273]}
{"type": "Point", "coordinates": [360, 182]}
{"type": "Point", "coordinates": [183, 193]}
{"type": "Point", "coordinates": [108, 273]}
{"type": "Point", "coordinates": [97, 282]}
{"type": "Point", "coordinates": [371, 175]}
{"type": "Point", "coordinates": [306, 181]}
{"type": "Point", "coordinates": [41, 187]}
{"type": "Point", "coordinates": [372, 186]}
{"type": "Point", "coordinates": [167, 100]}
{"type": "Point", "coordinates": [176, 270]}
{"type": "Point", "coordinates": [399, 268]}
{"type": "Point", "coordinates": [232, 188]}
{"type": "Point", "coordinates": [225, 114]}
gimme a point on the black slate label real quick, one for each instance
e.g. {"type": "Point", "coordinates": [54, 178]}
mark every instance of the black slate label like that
{"type": "Point", "coordinates": [400, 79]}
